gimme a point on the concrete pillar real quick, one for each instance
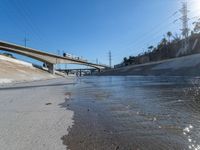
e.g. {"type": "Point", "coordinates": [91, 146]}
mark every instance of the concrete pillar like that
{"type": "Point", "coordinates": [80, 72]}
{"type": "Point", "coordinates": [51, 68]}
{"type": "Point", "coordinates": [92, 71]}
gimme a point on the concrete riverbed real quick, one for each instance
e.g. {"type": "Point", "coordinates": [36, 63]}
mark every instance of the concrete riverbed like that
{"type": "Point", "coordinates": [101, 113]}
{"type": "Point", "coordinates": [32, 117]}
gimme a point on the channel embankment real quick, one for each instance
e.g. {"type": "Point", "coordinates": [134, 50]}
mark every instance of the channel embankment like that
{"type": "Point", "coordinates": [13, 70]}
{"type": "Point", "coordinates": [182, 66]}
{"type": "Point", "coordinates": [32, 114]}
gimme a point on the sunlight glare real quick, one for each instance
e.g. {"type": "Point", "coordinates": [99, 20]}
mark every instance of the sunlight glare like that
{"type": "Point", "coordinates": [194, 6]}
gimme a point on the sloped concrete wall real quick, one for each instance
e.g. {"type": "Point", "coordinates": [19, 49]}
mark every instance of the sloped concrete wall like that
{"type": "Point", "coordinates": [182, 66]}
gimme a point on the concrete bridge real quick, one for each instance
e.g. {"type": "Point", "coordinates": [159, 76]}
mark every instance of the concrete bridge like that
{"type": "Point", "coordinates": [48, 58]}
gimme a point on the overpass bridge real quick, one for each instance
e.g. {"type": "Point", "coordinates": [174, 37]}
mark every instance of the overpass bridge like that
{"type": "Point", "coordinates": [48, 58]}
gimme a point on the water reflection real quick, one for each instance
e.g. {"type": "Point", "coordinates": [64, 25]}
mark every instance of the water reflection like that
{"type": "Point", "coordinates": [140, 112]}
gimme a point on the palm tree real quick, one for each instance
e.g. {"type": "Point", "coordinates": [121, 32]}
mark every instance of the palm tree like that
{"type": "Point", "coordinates": [176, 37]}
{"type": "Point", "coordinates": [150, 48]}
{"type": "Point", "coordinates": [164, 41]}
{"type": "Point", "coordinates": [169, 35]}
{"type": "Point", "coordinates": [125, 61]}
{"type": "Point", "coordinates": [197, 26]}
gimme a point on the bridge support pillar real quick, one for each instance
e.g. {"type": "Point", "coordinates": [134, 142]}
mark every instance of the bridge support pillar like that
{"type": "Point", "coordinates": [80, 72]}
{"type": "Point", "coordinates": [51, 68]}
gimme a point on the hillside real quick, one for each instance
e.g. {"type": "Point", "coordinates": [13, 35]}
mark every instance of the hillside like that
{"type": "Point", "coordinates": [166, 49]}
{"type": "Point", "coordinates": [13, 70]}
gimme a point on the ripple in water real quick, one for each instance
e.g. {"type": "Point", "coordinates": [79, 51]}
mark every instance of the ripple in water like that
{"type": "Point", "coordinates": [193, 145]}
{"type": "Point", "coordinates": [138, 112]}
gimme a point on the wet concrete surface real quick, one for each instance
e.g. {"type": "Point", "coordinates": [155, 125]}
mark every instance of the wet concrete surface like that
{"type": "Point", "coordinates": [132, 113]}
{"type": "Point", "coordinates": [31, 116]}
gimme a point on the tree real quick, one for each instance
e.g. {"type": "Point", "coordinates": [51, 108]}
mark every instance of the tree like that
{"type": "Point", "coordinates": [164, 41]}
{"type": "Point", "coordinates": [197, 26]}
{"type": "Point", "coordinates": [131, 57]}
{"type": "Point", "coordinates": [176, 38]}
{"type": "Point", "coordinates": [169, 35]}
{"type": "Point", "coordinates": [64, 54]}
{"type": "Point", "coordinates": [125, 61]}
{"type": "Point", "coordinates": [150, 48]}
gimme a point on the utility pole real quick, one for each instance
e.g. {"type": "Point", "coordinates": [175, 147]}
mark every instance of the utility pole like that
{"type": "Point", "coordinates": [58, 51]}
{"type": "Point", "coordinates": [185, 30]}
{"type": "Point", "coordinates": [65, 64]}
{"type": "Point", "coordinates": [97, 61]}
{"type": "Point", "coordinates": [25, 41]}
{"type": "Point", "coordinates": [110, 59]}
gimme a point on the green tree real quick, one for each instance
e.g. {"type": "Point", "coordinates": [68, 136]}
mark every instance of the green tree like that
{"type": "Point", "coordinates": [150, 48]}
{"type": "Point", "coordinates": [125, 59]}
{"type": "Point", "coordinates": [176, 37]}
{"type": "Point", "coordinates": [197, 26]}
{"type": "Point", "coordinates": [169, 35]}
{"type": "Point", "coordinates": [164, 41]}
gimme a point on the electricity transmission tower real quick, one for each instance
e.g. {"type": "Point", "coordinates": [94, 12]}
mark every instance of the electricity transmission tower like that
{"type": "Point", "coordinates": [185, 30]}
{"type": "Point", "coordinates": [110, 59]}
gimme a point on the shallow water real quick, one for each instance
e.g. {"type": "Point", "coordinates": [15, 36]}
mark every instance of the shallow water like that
{"type": "Point", "coordinates": [133, 113]}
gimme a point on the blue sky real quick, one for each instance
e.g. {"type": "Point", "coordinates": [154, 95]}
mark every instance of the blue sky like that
{"type": "Point", "coordinates": [90, 28]}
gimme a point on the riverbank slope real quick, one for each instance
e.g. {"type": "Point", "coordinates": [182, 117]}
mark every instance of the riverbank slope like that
{"type": "Point", "coordinates": [13, 70]}
{"type": "Point", "coordinates": [182, 66]}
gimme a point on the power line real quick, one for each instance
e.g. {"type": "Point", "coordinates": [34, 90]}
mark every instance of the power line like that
{"type": "Point", "coordinates": [19, 16]}
{"type": "Point", "coordinates": [28, 13]}
{"type": "Point", "coordinates": [10, 18]}
{"type": "Point", "coordinates": [155, 28]}
{"type": "Point", "coordinates": [25, 15]}
{"type": "Point", "coordinates": [153, 32]}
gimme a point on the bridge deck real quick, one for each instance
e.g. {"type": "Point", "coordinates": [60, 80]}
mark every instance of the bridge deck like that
{"type": "Point", "coordinates": [48, 58]}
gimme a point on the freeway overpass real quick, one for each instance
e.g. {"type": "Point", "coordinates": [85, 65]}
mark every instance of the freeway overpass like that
{"type": "Point", "coordinates": [48, 58]}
